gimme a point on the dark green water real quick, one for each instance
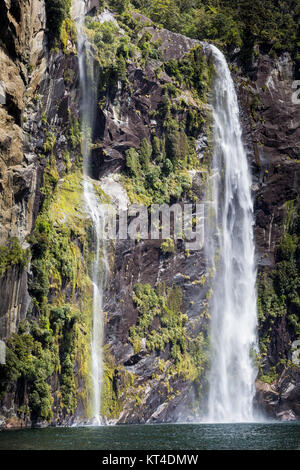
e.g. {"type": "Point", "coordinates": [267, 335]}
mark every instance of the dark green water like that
{"type": "Point", "coordinates": [271, 436]}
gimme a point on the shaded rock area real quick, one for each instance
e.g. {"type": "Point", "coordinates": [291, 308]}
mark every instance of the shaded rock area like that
{"type": "Point", "coordinates": [23, 57]}
{"type": "Point", "coordinates": [34, 80]}
{"type": "Point", "coordinates": [14, 300]}
{"type": "Point", "coordinates": [23, 62]}
{"type": "Point", "coordinates": [272, 136]}
{"type": "Point", "coordinates": [271, 126]}
{"type": "Point", "coordinates": [280, 400]}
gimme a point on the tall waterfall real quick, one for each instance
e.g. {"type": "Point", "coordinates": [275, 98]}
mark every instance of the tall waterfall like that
{"type": "Point", "coordinates": [231, 252]}
{"type": "Point", "coordinates": [93, 205]}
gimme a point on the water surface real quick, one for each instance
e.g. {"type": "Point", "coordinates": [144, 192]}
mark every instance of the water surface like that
{"type": "Point", "coordinates": [260, 436]}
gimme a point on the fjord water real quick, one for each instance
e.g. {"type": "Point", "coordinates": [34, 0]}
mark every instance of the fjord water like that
{"type": "Point", "coordinates": [262, 436]}
{"type": "Point", "coordinates": [231, 253]}
{"type": "Point", "coordinates": [92, 203]}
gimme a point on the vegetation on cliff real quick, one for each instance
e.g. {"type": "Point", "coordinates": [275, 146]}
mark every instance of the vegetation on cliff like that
{"type": "Point", "coordinates": [279, 295]}
{"type": "Point", "coordinates": [12, 254]}
{"type": "Point", "coordinates": [234, 23]}
{"type": "Point", "coordinates": [48, 357]}
{"type": "Point", "coordinates": [56, 12]}
{"type": "Point", "coordinates": [55, 335]}
{"type": "Point", "coordinates": [161, 323]}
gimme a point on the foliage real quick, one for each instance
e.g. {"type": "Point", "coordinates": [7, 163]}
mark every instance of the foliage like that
{"type": "Point", "coordinates": [118, 386]}
{"type": "Point", "coordinates": [35, 353]}
{"type": "Point", "coordinates": [12, 255]}
{"type": "Point", "coordinates": [271, 23]}
{"type": "Point", "coordinates": [56, 12]}
{"type": "Point", "coordinates": [68, 34]}
{"type": "Point", "coordinates": [279, 289]}
{"type": "Point", "coordinates": [191, 71]}
{"type": "Point", "coordinates": [270, 377]}
{"type": "Point", "coordinates": [162, 323]}
{"type": "Point", "coordinates": [112, 51]}
{"type": "Point", "coordinates": [168, 246]}
{"type": "Point", "coordinates": [55, 337]}
{"type": "Point", "coordinates": [27, 360]}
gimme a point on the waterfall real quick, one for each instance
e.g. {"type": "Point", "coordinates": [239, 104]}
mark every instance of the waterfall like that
{"type": "Point", "coordinates": [231, 253]}
{"type": "Point", "coordinates": [92, 203]}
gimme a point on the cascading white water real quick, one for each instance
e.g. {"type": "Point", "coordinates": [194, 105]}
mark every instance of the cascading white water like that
{"type": "Point", "coordinates": [93, 205]}
{"type": "Point", "coordinates": [99, 278]}
{"type": "Point", "coordinates": [231, 252]}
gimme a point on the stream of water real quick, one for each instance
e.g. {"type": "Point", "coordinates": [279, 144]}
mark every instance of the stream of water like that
{"type": "Point", "coordinates": [231, 253]}
{"type": "Point", "coordinates": [100, 265]}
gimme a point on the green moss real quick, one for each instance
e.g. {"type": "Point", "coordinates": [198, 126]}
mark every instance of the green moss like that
{"type": "Point", "coordinates": [74, 133]}
{"type": "Point", "coordinates": [49, 142]}
{"type": "Point", "coordinates": [118, 387]}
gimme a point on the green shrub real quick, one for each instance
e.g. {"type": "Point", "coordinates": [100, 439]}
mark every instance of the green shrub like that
{"type": "Point", "coordinates": [273, 24]}
{"type": "Point", "coordinates": [56, 12]}
{"type": "Point", "coordinates": [12, 255]}
{"type": "Point", "coordinates": [168, 246]}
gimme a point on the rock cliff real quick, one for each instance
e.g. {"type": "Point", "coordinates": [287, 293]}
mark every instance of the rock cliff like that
{"type": "Point", "coordinates": [151, 144]}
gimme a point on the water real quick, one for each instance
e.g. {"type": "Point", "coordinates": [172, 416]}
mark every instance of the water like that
{"type": "Point", "coordinates": [231, 253]}
{"type": "Point", "coordinates": [93, 205]}
{"type": "Point", "coordinates": [271, 436]}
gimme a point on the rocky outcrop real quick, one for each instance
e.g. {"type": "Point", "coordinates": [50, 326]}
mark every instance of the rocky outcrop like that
{"type": "Point", "coordinates": [271, 129]}
{"type": "Point", "coordinates": [143, 262]}
{"type": "Point", "coordinates": [14, 300]}
{"type": "Point", "coordinates": [271, 118]}
{"type": "Point", "coordinates": [23, 62]}
{"type": "Point", "coordinates": [280, 400]}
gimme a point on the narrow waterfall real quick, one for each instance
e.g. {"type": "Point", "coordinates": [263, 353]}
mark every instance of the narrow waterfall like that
{"type": "Point", "coordinates": [231, 253]}
{"type": "Point", "coordinates": [93, 205]}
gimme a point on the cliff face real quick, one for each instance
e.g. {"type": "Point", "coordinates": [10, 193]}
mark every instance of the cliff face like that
{"type": "Point", "coordinates": [23, 62]}
{"type": "Point", "coordinates": [22, 66]}
{"type": "Point", "coordinates": [271, 115]}
{"type": "Point", "coordinates": [152, 106]}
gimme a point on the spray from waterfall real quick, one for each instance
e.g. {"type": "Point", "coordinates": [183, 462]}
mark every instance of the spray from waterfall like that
{"type": "Point", "coordinates": [93, 205]}
{"type": "Point", "coordinates": [231, 253]}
